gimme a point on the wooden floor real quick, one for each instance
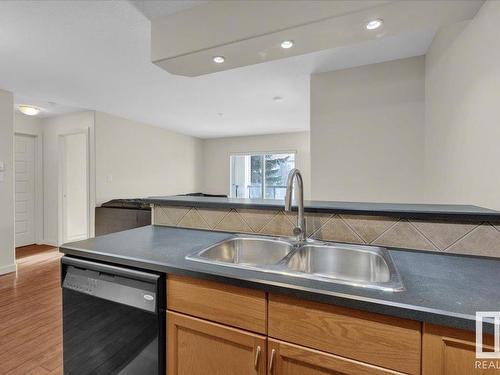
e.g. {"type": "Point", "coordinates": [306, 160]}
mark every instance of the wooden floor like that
{"type": "Point", "coordinates": [30, 314]}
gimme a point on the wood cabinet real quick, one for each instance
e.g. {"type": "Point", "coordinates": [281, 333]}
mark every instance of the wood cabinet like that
{"type": "Point", "coordinates": [199, 347]}
{"type": "Point", "coordinates": [448, 351]}
{"type": "Point", "coordinates": [371, 338]}
{"type": "Point", "coordinates": [289, 359]}
{"type": "Point", "coordinates": [217, 329]}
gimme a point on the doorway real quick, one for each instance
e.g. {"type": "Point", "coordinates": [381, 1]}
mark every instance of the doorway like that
{"type": "Point", "coordinates": [74, 172]}
{"type": "Point", "coordinates": [25, 189]}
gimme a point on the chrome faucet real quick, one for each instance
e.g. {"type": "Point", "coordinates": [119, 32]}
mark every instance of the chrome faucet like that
{"type": "Point", "coordinates": [300, 229]}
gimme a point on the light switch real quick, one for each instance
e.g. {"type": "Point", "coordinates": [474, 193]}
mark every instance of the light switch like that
{"type": "Point", "coordinates": [2, 170]}
{"type": "Point", "coordinates": [109, 178]}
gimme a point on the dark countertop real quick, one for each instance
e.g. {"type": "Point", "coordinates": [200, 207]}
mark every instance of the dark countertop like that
{"type": "Point", "coordinates": [441, 289]}
{"type": "Point", "coordinates": [414, 211]}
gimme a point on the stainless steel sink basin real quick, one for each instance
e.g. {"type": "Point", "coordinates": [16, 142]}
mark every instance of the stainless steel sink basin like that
{"type": "Point", "coordinates": [367, 266]}
{"type": "Point", "coordinates": [356, 265]}
{"type": "Point", "coordinates": [246, 251]}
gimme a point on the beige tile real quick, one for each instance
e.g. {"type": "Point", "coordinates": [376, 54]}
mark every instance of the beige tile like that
{"type": "Point", "coordinates": [279, 225]}
{"type": "Point", "coordinates": [233, 222]}
{"type": "Point", "coordinates": [159, 216]}
{"type": "Point", "coordinates": [337, 230]}
{"type": "Point", "coordinates": [443, 234]}
{"type": "Point", "coordinates": [404, 235]}
{"type": "Point", "coordinates": [257, 219]}
{"type": "Point", "coordinates": [169, 215]}
{"type": "Point", "coordinates": [484, 240]}
{"type": "Point", "coordinates": [212, 216]}
{"type": "Point", "coordinates": [369, 227]}
{"type": "Point", "coordinates": [314, 220]}
{"type": "Point", "coordinates": [193, 220]}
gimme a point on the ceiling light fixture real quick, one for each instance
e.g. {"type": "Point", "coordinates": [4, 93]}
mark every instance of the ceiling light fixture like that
{"type": "Point", "coordinates": [278, 99]}
{"type": "Point", "coordinates": [218, 59]}
{"type": "Point", "coordinates": [374, 24]}
{"type": "Point", "coordinates": [287, 44]}
{"type": "Point", "coordinates": [29, 110]}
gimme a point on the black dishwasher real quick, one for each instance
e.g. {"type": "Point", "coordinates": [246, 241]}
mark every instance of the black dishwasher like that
{"type": "Point", "coordinates": [113, 319]}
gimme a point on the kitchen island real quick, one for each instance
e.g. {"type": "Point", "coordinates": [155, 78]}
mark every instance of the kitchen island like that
{"type": "Point", "coordinates": [245, 321]}
{"type": "Point", "coordinates": [297, 323]}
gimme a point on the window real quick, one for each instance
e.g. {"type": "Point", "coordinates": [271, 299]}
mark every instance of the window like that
{"type": "Point", "coordinates": [260, 176]}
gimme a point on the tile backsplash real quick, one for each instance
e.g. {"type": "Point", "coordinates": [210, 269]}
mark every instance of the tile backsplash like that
{"type": "Point", "coordinates": [474, 238]}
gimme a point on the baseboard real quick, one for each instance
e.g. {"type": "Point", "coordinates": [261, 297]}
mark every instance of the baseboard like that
{"type": "Point", "coordinates": [8, 269]}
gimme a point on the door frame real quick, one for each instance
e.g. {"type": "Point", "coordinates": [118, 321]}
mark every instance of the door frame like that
{"type": "Point", "coordinates": [38, 167]}
{"type": "Point", "coordinates": [61, 202]}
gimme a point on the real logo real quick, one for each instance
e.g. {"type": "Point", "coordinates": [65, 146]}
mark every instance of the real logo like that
{"type": "Point", "coordinates": [488, 359]}
{"type": "Point", "coordinates": [481, 316]}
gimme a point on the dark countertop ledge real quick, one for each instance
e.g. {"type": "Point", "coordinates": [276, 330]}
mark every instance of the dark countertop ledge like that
{"type": "Point", "coordinates": [403, 210]}
{"type": "Point", "coordinates": [440, 288]}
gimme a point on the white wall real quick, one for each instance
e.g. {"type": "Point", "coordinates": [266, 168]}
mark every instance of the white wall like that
{"type": "Point", "coordinates": [216, 157]}
{"type": "Point", "coordinates": [74, 176]}
{"type": "Point", "coordinates": [53, 127]}
{"type": "Point", "coordinates": [7, 250]}
{"type": "Point", "coordinates": [463, 112]}
{"type": "Point", "coordinates": [24, 124]}
{"type": "Point", "coordinates": [367, 132]}
{"type": "Point", "coordinates": [138, 160]}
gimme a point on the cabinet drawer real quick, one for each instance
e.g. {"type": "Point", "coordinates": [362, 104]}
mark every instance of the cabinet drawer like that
{"type": "Point", "coordinates": [222, 303]}
{"type": "Point", "coordinates": [380, 340]}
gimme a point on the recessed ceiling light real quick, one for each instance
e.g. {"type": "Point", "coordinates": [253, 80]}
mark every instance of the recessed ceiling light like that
{"type": "Point", "coordinates": [287, 44]}
{"type": "Point", "coordinates": [29, 110]}
{"type": "Point", "coordinates": [374, 24]}
{"type": "Point", "coordinates": [218, 59]}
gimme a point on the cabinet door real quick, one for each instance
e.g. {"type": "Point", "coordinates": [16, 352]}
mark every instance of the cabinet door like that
{"type": "Point", "coordinates": [448, 351]}
{"type": "Point", "coordinates": [200, 347]}
{"type": "Point", "coordinates": [289, 359]}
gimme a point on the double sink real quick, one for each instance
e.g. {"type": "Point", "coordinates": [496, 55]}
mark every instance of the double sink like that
{"type": "Point", "coordinates": [355, 265]}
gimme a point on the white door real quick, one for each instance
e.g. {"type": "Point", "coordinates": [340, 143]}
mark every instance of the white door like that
{"type": "Point", "coordinates": [24, 156]}
{"type": "Point", "coordinates": [75, 187]}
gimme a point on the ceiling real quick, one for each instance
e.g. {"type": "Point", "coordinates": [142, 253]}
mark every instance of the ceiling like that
{"type": "Point", "coordinates": [96, 55]}
{"type": "Point", "coordinates": [158, 8]}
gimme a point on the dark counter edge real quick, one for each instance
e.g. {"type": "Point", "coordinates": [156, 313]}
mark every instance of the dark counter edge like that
{"type": "Point", "coordinates": [400, 210]}
{"type": "Point", "coordinates": [404, 311]}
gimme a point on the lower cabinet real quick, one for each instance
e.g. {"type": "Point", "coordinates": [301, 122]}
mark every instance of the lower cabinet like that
{"type": "Point", "coordinates": [381, 341]}
{"type": "Point", "coordinates": [214, 329]}
{"type": "Point", "coordinates": [289, 359]}
{"type": "Point", "coordinates": [278, 335]}
{"type": "Point", "coordinates": [200, 347]}
{"type": "Point", "coordinates": [448, 351]}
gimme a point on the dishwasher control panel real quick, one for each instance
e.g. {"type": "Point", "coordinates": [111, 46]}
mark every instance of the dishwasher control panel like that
{"type": "Point", "coordinates": [115, 288]}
